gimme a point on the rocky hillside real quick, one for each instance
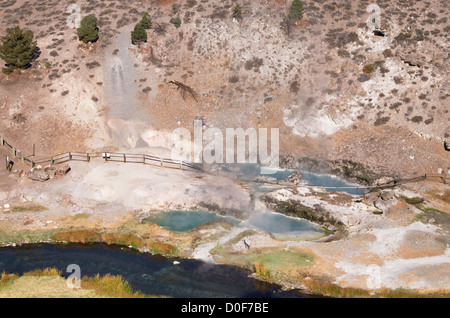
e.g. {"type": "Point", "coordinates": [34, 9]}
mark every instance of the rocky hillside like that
{"type": "Point", "coordinates": [334, 88]}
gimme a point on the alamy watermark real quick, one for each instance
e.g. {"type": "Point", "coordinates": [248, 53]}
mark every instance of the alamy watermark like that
{"type": "Point", "coordinates": [74, 279]}
{"type": "Point", "coordinates": [74, 19]}
{"type": "Point", "coordinates": [374, 20]}
{"type": "Point", "coordinates": [213, 145]}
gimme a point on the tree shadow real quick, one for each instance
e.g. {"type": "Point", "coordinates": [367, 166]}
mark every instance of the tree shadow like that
{"type": "Point", "coordinates": [34, 56]}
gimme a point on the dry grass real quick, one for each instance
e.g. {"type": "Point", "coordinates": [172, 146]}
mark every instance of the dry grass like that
{"type": "Point", "coordinates": [5, 278]}
{"type": "Point", "coordinates": [28, 208]}
{"type": "Point", "coordinates": [328, 289]}
{"type": "Point", "coordinates": [78, 236]}
{"type": "Point", "coordinates": [43, 272]}
{"type": "Point", "coordinates": [110, 286]}
{"type": "Point", "coordinates": [262, 271]}
{"type": "Point", "coordinates": [445, 196]}
{"type": "Point", "coordinates": [162, 248]}
{"type": "Point", "coordinates": [122, 239]}
{"type": "Point", "coordinates": [49, 283]}
{"type": "Point", "coordinates": [42, 287]}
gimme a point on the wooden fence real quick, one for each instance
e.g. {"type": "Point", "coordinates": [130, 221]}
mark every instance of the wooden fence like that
{"type": "Point", "coordinates": [157, 161]}
{"type": "Point", "coordinates": [107, 156]}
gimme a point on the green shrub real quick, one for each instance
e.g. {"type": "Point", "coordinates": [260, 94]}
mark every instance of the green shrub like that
{"type": "Point", "coordinates": [368, 69]}
{"type": "Point", "coordinates": [413, 200]}
{"type": "Point", "coordinates": [88, 31]}
{"type": "Point", "coordinates": [237, 12]}
{"type": "Point", "coordinates": [146, 21]}
{"type": "Point", "coordinates": [294, 87]}
{"type": "Point", "coordinates": [138, 34]}
{"type": "Point", "coordinates": [417, 119]}
{"type": "Point", "coordinates": [387, 53]}
{"type": "Point", "coordinates": [296, 10]}
{"type": "Point", "coordinates": [176, 21]}
{"type": "Point", "coordinates": [381, 121]}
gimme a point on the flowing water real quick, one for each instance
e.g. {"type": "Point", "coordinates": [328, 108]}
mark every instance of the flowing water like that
{"type": "Point", "coordinates": [153, 275]}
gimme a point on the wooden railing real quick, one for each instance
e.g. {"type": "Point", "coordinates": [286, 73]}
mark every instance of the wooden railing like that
{"type": "Point", "coordinates": [107, 156]}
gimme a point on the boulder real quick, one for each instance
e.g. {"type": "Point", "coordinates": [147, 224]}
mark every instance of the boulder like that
{"type": "Point", "coordinates": [51, 170]}
{"type": "Point", "coordinates": [38, 175]}
{"type": "Point", "coordinates": [384, 180]}
{"type": "Point", "coordinates": [63, 170]}
{"type": "Point", "coordinates": [387, 195]}
{"type": "Point", "coordinates": [297, 178]}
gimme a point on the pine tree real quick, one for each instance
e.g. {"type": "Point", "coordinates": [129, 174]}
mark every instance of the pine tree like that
{"type": "Point", "coordinates": [88, 31]}
{"type": "Point", "coordinates": [138, 34]}
{"type": "Point", "coordinates": [296, 10]}
{"type": "Point", "coordinates": [17, 48]}
{"type": "Point", "coordinates": [146, 21]}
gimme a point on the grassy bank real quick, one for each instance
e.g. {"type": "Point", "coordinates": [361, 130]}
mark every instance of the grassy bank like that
{"type": "Point", "coordinates": [131, 234]}
{"type": "Point", "coordinates": [270, 264]}
{"type": "Point", "coordinates": [316, 286]}
{"type": "Point", "coordinates": [49, 283]}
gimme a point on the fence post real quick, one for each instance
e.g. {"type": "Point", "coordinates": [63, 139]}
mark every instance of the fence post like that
{"type": "Point", "coordinates": [181, 164]}
{"type": "Point", "coordinates": [34, 150]}
{"type": "Point", "coordinates": [88, 157]}
{"type": "Point", "coordinates": [161, 162]}
{"type": "Point", "coordinates": [124, 158]}
{"type": "Point", "coordinates": [143, 159]}
{"type": "Point", "coordinates": [70, 156]}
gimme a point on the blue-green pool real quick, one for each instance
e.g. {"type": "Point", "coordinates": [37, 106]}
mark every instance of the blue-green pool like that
{"type": "Point", "coordinates": [284, 226]}
{"type": "Point", "coordinates": [332, 183]}
{"type": "Point", "coordinates": [275, 223]}
{"type": "Point", "coordinates": [184, 221]}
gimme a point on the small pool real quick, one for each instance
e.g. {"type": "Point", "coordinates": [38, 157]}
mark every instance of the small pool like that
{"type": "Point", "coordinates": [184, 221]}
{"type": "Point", "coordinates": [278, 224]}
{"type": "Point", "coordinates": [327, 181]}
{"type": "Point", "coordinates": [283, 226]}
{"type": "Point", "coordinates": [332, 183]}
